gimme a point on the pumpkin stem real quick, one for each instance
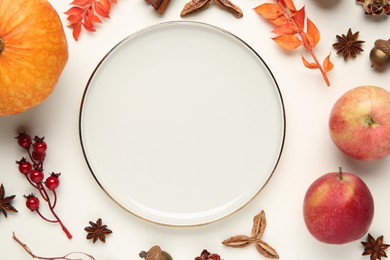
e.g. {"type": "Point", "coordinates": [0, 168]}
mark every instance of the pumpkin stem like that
{"type": "Point", "coordinates": [1, 45]}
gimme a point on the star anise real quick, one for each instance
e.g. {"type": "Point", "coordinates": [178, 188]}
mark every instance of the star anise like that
{"type": "Point", "coordinates": [97, 231]}
{"type": "Point", "coordinates": [348, 45]}
{"type": "Point", "coordinates": [5, 202]}
{"type": "Point", "coordinates": [375, 247]}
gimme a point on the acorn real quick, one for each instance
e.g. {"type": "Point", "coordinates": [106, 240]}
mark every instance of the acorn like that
{"type": "Point", "coordinates": [380, 54]}
{"type": "Point", "coordinates": [155, 253]}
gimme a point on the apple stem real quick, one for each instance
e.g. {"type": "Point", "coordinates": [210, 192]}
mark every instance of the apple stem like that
{"type": "Point", "coordinates": [341, 173]}
{"type": "Point", "coordinates": [2, 46]}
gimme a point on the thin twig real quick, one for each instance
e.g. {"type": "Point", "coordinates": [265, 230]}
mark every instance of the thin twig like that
{"type": "Point", "coordinates": [65, 257]}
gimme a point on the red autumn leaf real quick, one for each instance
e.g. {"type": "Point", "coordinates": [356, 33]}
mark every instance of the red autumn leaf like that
{"type": "Point", "coordinates": [93, 17]}
{"type": "Point", "coordinates": [285, 29]}
{"type": "Point", "coordinates": [81, 2]}
{"type": "Point", "coordinates": [88, 25]}
{"type": "Point", "coordinates": [309, 64]}
{"type": "Point", "coordinates": [313, 32]}
{"type": "Point", "coordinates": [327, 64]}
{"type": "Point", "coordinates": [73, 19]}
{"type": "Point", "coordinates": [299, 18]}
{"type": "Point", "coordinates": [75, 11]}
{"type": "Point", "coordinates": [76, 31]}
{"type": "Point", "coordinates": [269, 11]}
{"type": "Point", "coordinates": [288, 42]}
{"type": "Point", "coordinates": [103, 7]}
{"type": "Point", "coordinates": [85, 13]}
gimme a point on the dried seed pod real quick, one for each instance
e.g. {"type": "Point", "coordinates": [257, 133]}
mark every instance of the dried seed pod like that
{"type": "Point", "coordinates": [380, 54]}
{"type": "Point", "coordinates": [155, 253]}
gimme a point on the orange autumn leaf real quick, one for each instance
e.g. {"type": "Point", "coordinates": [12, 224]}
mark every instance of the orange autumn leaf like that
{"type": "Point", "coordinates": [309, 64]}
{"type": "Point", "coordinates": [269, 11]}
{"type": "Point", "coordinates": [288, 42]}
{"type": "Point", "coordinates": [103, 7]}
{"type": "Point", "coordinates": [327, 64]}
{"type": "Point", "coordinates": [285, 29]}
{"type": "Point", "coordinates": [289, 4]}
{"type": "Point", "coordinates": [293, 29]}
{"type": "Point", "coordinates": [313, 32]}
{"type": "Point", "coordinates": [299, 17]}
{"type": "Point", "coordinates": [280, 21]}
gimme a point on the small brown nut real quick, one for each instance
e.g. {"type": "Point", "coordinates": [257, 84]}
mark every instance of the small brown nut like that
{"type": "Point", "coordinates": [155, 253]}
{"type": "Point", "coordinates": [380, 54]}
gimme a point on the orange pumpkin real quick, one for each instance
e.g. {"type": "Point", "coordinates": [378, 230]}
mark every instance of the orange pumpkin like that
{"type": "Point", "coordinates": [33, 53]}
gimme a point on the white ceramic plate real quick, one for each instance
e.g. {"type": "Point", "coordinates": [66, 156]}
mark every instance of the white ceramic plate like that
{"type": "Point", "coordinates": [182, 124]}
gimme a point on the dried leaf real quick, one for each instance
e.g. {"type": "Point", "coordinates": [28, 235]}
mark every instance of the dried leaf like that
{"type": "Point", "coordinates": [299, 18]}
{"type": "Point", "coordinates": [266, 250]}
{"type": "Point", "coordinates": [288, 42]}
{"type": "Point", "coordinates": [286, 29]}
{"type": "Point", "coordinates": [239, 241]}
{"type": "Point", "coordinates": [309, 64]}
{"type": "Point", "coordinates": [259, 224]}
{"type": "Point", "coordinates": [312, 30]}
{"type": "Point", "coordinates": [327, 64]}
{"type": "Point", "coordinates": [269, 11]}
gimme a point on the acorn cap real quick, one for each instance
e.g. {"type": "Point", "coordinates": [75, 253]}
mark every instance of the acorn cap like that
{"type": "Point", "coordinates": [383, 45]}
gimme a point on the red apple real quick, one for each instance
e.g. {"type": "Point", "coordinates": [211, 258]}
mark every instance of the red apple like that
{"type": "Point", "coordinates": [359, 123]}
{"type": "Point", "coordinates": [338, 208]}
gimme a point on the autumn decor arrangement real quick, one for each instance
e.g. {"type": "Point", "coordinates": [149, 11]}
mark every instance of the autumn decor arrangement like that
{"type": "Point", "coordinates": [338, 207]}
{"type": "Point", "coordinates": [290, 32]}
{"type": "Point", "coordinates": [39, 57]}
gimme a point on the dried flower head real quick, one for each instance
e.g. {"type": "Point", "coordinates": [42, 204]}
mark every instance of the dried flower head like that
{"type": "Point", "coordinates": [375, 7]}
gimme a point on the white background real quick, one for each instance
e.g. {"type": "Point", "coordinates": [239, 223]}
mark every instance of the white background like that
{"type": "Point", "coordinates": [308, 152]}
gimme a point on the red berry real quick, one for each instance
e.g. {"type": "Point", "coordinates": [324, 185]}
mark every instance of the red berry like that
{"type": "Point", "coordinates": [39, 145]}
{"type": "Point", "coordinates": [52, 182]}
{"type": "Point", "coordinates": [38, 156]}
{"type": "Point", "coordinates": [24, 166]}
{"type": "Point", "coordinates": [24, 140]}
{"type": "Point", "coordinates": [32, 202]}
{"type": "Point", "coordinates": [36, 176]}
